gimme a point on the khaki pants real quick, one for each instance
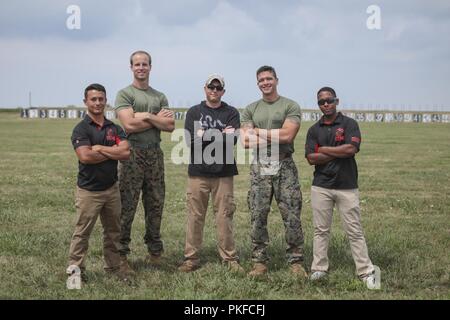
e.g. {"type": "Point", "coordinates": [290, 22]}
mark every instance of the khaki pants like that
{"type": "Point", "coordinates": [89, 205]}
{"type": "Point", "coordinates": [198, 191]}
{"type": "Point", "coordinates": [347, 203]}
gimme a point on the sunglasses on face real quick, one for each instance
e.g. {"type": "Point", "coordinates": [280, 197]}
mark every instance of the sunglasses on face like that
{"type": "Point", "coordinates": [212, 87]}
{"type": "Point", "coordinates": [328, 101]}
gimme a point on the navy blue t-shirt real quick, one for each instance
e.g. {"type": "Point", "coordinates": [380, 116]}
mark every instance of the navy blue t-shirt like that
{"type": "Point", "coordinates": [212, 121]}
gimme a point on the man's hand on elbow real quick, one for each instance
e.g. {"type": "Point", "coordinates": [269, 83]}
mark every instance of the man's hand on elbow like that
{"type": "Point", "coordinates": [170, 127]}
{"type": "Point", "coordinates": [166, 113]}
{"type": "Point", "coordinates": [97, 148]}
{"type": "Point", "coordinates": [310, 158]}
{"type": "Point", "coordinates": [342, 151]}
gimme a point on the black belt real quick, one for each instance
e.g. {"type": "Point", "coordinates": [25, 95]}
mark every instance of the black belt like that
{"type": "Point", "coordinates": [281, 156]}
{"type": "Point", "coordinates": [154, 145]}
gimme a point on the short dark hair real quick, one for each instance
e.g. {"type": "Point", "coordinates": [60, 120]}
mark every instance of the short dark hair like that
{"type": "Point", "coordinates": [94, 86]}
{"type": "Point", "coordinates": [140, 52]}
{"type": "Point", "coordinates": [266, 68]}
{"type": "Point", "coordinates": [327, 89]}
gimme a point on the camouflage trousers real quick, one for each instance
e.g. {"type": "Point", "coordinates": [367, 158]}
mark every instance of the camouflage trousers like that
{"type": "Point", "coordinates": [285, 187]}
{"type": "Point", "coordinates": [143, 171]}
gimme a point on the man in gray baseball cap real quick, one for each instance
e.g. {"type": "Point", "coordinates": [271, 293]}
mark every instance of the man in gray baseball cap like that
{"type": "Point", "coordinates": [211, 122]}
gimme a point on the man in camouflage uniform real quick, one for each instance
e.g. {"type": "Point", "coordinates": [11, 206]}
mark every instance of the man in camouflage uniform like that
{"type": "Point", "coordinates": [269, 126]}
{"type": "Point", "coordinates": [143, 113]}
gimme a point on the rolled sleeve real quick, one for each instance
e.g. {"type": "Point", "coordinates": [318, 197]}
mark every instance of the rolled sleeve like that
{"type": "Point", "coordinates": [311, 142]}
{"type": "Point", "coordinates": [294, 113]}
{"type": "Point", "coordinates": [121, 133]}
{"type": "Point", "coordinates": [353, 134]}
{"type": "Point", "coordinates": [247, 117]}
{"type": "Point", "coordinates": [164, 102]}
{"type": "Point", "coordinates": [79, 138]}
{"type": "Point", "coordinates": [123, 101]}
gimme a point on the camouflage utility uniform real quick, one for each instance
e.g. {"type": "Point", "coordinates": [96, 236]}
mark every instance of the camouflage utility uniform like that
{"type": "Point", "coordinates": [143, 171]}
{"type": "Point", "coordinates": [286, 189]}
{"type": "Point", "coordinates": [283, 184]}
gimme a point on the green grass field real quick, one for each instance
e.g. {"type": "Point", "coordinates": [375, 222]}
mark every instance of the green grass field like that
{"type": "Point", "coordinates": [405, 197]}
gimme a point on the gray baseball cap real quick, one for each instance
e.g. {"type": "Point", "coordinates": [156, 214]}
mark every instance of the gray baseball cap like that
{"type": "Point", "coordinates": [217, 77]}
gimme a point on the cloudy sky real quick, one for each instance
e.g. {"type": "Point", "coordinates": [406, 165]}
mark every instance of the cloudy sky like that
{"type": "Point", "coordinates": [403, 65]}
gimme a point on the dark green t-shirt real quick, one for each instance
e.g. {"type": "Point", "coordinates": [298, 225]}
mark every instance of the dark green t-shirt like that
{"type": "Point", "coordinates": [271, 115]}
{"type": "Point", "coordinates": [149, 100]}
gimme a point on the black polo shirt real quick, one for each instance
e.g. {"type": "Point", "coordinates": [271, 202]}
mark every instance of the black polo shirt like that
{"type": "Point", "coordinates": [340, 173]}
{"type": "Point", "coordinates": [100, 176]}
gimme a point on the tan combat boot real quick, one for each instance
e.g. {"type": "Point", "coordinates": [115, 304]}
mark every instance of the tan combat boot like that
{"type": "Point", "coordinates": [298, 270]}
{"type": "Point", "coordinates": [258, 270]}
{"type": "Point", "coordinates": [234, 266]}
{"type": "Point", "coordinates": [125, 268]}
{"type": "Point", "coordinates": [119, 275]}
{"type": "Point", "coordinates": [153, 260]}
{"type": "Point", "coordinates": [188, 266]}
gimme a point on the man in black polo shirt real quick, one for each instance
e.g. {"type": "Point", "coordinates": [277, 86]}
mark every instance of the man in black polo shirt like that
{"type": "Point", "coordinates": [331, 145]}
{"type": "Point", "coordinates": [98, 144]}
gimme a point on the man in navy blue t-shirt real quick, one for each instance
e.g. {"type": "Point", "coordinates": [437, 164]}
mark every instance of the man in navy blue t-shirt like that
{"type": "Point", "coordinates": [210, 129]}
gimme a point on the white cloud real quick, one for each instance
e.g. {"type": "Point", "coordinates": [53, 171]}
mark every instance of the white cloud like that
{"type": "Point", "coordinates": [310, 43]}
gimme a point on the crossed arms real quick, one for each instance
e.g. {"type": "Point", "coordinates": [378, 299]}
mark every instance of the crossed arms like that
{"type": "Point", "coordinates": [98, 153]}
{"type": "Point", "coordinates": [141, 121]}
{"type": "Point", "coordinates": [326, 154]}
{"type": "Point", "coordinates": [252, 137]}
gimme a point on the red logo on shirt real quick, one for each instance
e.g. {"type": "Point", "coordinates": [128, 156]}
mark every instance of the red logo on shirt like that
{"type": "Point", "coordinates": [356, 139]}
{"type": "Point", "coordinates": [339, 135]}
{"type": "Point", "coordinates": [110, 136]}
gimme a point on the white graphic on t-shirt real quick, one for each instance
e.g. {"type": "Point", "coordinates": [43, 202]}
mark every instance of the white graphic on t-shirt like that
{"type": "Point", "coordinates": [209, 123]}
